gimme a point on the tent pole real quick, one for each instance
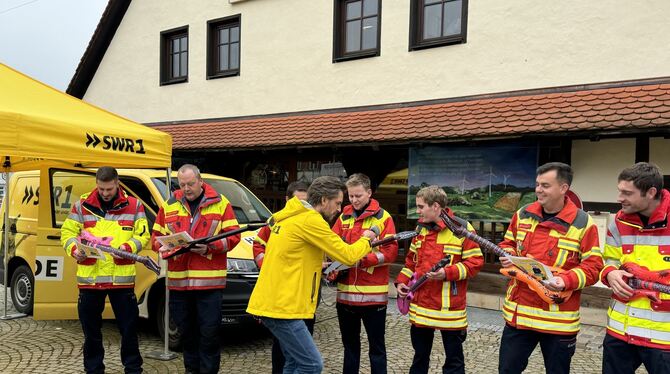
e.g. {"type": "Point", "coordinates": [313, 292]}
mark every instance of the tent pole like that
{"type": "Point", "coordinates": [166, 355]}
{"type": "Point", "coordinates": [5, 238]}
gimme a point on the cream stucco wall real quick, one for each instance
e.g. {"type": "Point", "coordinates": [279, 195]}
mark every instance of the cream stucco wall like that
{"type": "Point", "coordinates": [659, 153]}
{"type": "Point", "coordinates": [596, 166]}
{"type": "Point", "coordinates": [286, 56]}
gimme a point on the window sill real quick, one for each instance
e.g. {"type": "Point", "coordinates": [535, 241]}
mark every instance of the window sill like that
{"type": "Point", "coordinates": [229, 73]}
{"type": "Point", "coordinates": [437, 43]}
{"type": "Point", "coordinates": [174, 81]}
{"type": "Point", "coordinates": [356, 55]}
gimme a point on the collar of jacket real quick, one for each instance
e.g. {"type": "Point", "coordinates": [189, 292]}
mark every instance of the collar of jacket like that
{"type": "Point", "coordinates": [372, 209]}
{"type": "Point", "coordinates": [92, 201]}
{"type": "Point", "coordinates": [211, 196]}
{"type": "Point", "coordinates": [658, 219]}
{"type": "Point", "coordinates": [560, 222]}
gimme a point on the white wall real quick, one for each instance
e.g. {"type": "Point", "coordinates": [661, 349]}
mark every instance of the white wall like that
{"type": "Point", "coordinates": [286, 56]}
{"type": "Point", "coordinates": [596, 166]}
{"type": "Point", "coordinates": [659, 153]}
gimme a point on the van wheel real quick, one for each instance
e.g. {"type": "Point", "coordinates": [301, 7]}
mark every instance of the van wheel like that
{"type": "Point", "coordinates": [174, 337]}
{"type": "Point", "coordinates": [23, 286]}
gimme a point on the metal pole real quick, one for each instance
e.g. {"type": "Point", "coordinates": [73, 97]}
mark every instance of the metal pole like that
{"type": "Point", "coordinates": [166, 355]}
{"type": "Point", "coordinates": [5, 237]}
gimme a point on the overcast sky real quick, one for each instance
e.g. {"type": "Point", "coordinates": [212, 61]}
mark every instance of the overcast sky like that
{"type": "Point", "coordinates": [45, 39]}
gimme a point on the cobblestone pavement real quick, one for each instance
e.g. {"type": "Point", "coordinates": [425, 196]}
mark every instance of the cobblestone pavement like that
{"type": "Point", "coordinates": [28, 346]}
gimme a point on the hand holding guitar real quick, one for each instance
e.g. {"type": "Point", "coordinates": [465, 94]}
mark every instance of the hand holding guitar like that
{"type": "Point", "coordinates": [618, 282]}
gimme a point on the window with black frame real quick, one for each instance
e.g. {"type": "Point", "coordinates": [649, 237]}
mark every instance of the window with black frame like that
{"type": "Point", "coordinates": [357, 29]}
{"type": "Point", "coordinates": [223, 47]}
{"type": "Point", "coordinates": [435, 23]}
{"type": "Point", "coordinates": [174, 56]}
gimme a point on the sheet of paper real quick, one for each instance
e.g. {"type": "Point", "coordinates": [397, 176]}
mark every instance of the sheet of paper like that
{"type": "Point", "coordinates": [91, 252]}
{"type": "Point", "coordinates": [533, 267]}
{"type": "Point", "coordinates": [175, 241]}
{"type": "Point", "coordinates": [335, 265]}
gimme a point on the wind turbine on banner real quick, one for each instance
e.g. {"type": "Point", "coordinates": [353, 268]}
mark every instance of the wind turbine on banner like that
{"type": "Point", "coordinates": [491, 175]}
{"type": "Point", "coordinates": [463, 182]}
{"type": "Point", "coordinates": [505, 180]}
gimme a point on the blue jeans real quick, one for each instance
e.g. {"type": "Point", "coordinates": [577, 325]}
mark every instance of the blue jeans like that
{"type": "Point", "coordinates": [197, 315]}
{"type": "Point", "coordinates": [90, 306]}
{"type": "Point", "coordinates": [302, 356]}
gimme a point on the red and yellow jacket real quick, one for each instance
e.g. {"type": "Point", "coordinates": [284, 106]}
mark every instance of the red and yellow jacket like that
{"type": "Point", "coordinates": [568, 241]}
{"type": "Point", "coordinates": [367, 283]}
{"type": "Point", "coordinates": [214, 215]}
{"type": "Point", "coordinates": [441, 304]}
{"type": "Point", "coordinates": [637, 321]}
{"type": "Point", "coordinates": [260, 242]}
{"type": "Point", "coordinates": [125, 222]}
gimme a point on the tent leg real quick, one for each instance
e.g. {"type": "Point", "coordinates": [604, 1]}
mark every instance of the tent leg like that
{"type": "Point", "coordinates": [5, 237]}
{"type": "Point", "coordinates": [165, 355]}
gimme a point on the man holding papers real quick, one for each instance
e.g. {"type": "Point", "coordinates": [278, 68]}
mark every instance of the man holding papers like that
{"type": "Point", "coordinates": [196, 278]}
{"type": "Point", "coordinates": [555, 232]}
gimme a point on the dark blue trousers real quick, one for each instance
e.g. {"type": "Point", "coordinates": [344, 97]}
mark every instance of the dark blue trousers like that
{"type": "Point", "coordinates": [197, 315]}
{"type": "Point", "coordinates": [422, 342]}
{"type": "Point", "coordinates": [620, 357]}
{"type": "Point", "coordinates": [518, 344]}
{"type": "Point", "coordinates": [90, 306]}
{"type": "Point", "coordinates": [374, 320]}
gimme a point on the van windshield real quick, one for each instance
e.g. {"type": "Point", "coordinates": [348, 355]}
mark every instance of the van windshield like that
{"type": "Point", "coordinates": [247, 207]}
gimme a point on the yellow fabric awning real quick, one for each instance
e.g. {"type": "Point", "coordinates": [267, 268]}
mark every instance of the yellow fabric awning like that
{"type": "Point", "coordinates": [39, 123]}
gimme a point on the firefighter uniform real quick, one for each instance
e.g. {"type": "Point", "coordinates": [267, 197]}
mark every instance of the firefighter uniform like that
{"type": "Point", "coordinates": [567, 240]}
{"type": "Point", "coordinates": [125, 222]}
{"type": "Point", "coordinates": [440, 305]}
{"type": "Point", "coordinates": [196, 281]}
{"type": "Point", "coordinates": [638, 330]}
{"type": "Point", "coordinates": [362, 291]}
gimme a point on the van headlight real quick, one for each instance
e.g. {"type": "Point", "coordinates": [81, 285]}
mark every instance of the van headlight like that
{"type": "Point", "coordinates": [236, 265]}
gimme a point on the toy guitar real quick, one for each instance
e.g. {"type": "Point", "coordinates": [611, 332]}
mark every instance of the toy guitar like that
{"type": "Point", "coordinates": [104, 243]}
{"type": "Point", "coordinates": [336, 266]}
{"type": "Point", "coordinates": [535, 284]}
{"type": "Point", "coordinates": [650, 284]}
{"type": "Point", "coordinates": [211, 239]}
{"type": "Point", "coordinates": [414, 284]}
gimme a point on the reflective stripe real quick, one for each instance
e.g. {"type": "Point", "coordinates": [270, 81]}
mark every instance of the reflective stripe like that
{"type": "Point", "coordinates": [362, 298]}
{"type": "Point", "coordinates": [648, 333]}
{"type": "Point", "coordinates": [214, 225]}
{"type": "Point", "coordinates": [537, 312]}
{"type": "Point", "coordinates": [611, 241]}
{"type": "Point", "coordinates": [74, 217]}
{"type": "Point", "coordinates": [438, 313]}
{"type": "Point", "coordinates": [581, 277]}
{"type": "Point", "coordinates": [564, 242]}
{"type": "Point", "coordinates": [380, 258]}
{"type": "Point", "coordinates": [645, 240]}
{"type": "Point", "coordinates": [183, 283]}
{"type": "Point", "coordinates": [612, 262]}
{"type": "Point", "coordinates": [89, 217]}
{"type": "Point", "coordinates": [462, 271]}
{"type": "Point", "coordinates": [228, 223]}
{"type": "Point", "coordinates": [362, 289]}
{"type": "Point", "coordinates": [138, 244]}
{"type": "Point", "coordinates": [70, 241]}
{"type": "Point", "coordinates": [259, 257]}
{"type": "Point", "coordinates": [197, 274]}
{"type": "Point", "coordinates": [258, 240]}
{"type": "Point", "coordinates": [224, 243]}
{"type": "Point", "coordinates": [509, 236]}
{"type": "Point", "coordinates": [613, 237]}
{"type": "Point", "coordinates": [438, 318]}
{"type": "Point", "coordinates": [595, 251]}
{"type": "Point", "coordinates": [406, 272]}
{"type": "Point", "coordinates": [646, 314]}
{"type": "Point", "coordinates": [106, 279]}
{"type": "Point", "coordinates": [120, 217]}
{"type": "Point", "coordinates": [471, 252]}
{"type": "Point", "coordinates": [546, 325]}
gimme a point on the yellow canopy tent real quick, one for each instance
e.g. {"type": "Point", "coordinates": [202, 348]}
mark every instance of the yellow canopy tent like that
{"type": "Point", "coordinates": [38, 122]}
{"type": "Point", "coordinates": [40, 125]}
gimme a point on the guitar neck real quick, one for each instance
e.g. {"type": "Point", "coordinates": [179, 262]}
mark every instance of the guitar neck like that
{"type": "Point", "coordinates": [120, 253]}
{"type": "Point", "coordinates": [641, 284]}
{"type": "Point", "coordinates": [485, 244]}
{"type": "Point", "coordinates": [424, 277]}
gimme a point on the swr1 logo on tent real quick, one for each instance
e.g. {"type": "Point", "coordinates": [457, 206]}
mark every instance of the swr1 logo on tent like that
{"type": "Point", "coordinates": [115, 143]}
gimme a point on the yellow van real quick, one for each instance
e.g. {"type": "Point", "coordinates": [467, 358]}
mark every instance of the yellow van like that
{"type": "Point", "coordinates": [42, 277]}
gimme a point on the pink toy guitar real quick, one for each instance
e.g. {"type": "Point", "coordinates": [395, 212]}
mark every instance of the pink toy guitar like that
{"type": "Point", "coordinates": [103, 244]}
{"type": "Point", "coordinates": [414, 284]}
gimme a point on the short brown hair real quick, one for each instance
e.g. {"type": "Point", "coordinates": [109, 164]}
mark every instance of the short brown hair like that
{"type": "Point", "coordinates": [106, 174]}
{"type": "Point", "coordinates": [358, 179]}
{"type": "Point", "coordinates": [324, 187]}
{"type": "Point", "coordinates": [296, 186]}
{"type": "Point", "coordinates": [433, 194]}
{"type": "Point", "coordinates": [644, 176]}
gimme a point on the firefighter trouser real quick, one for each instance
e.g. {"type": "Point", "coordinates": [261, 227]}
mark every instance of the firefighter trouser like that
{"type": "Point", "coordinates": [374, 320]}
{"type": "Point", "coordinates": [517, 345]}
{"type": "Point", "coordinates": [620, 357]}
{"type": "Point", "coordinates": [422, 342]}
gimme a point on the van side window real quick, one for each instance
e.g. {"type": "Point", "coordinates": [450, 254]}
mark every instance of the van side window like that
{"type": "Point", "coordinates": [66, 189]}
{"type": "Point", "coordinates": [139, 190]}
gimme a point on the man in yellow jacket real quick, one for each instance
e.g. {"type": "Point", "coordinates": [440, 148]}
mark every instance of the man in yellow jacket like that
{"type": "Point", "coordinates": [286, 292]}
{"type": "Point", "coordinates": [107, 212]}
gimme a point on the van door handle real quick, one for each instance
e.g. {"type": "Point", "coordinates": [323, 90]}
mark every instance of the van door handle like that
{"type": "Point", "coordinates": [53, 237]}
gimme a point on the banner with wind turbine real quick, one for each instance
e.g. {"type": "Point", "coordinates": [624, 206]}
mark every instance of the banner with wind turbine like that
{"type": "Point", "coordinates": [486, 182]}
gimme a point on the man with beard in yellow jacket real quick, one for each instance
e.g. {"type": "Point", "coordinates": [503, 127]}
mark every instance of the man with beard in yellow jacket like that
{"type": "Point", "coordinates": [286, 292]}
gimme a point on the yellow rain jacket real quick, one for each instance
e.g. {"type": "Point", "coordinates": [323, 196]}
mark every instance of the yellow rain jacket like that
{"type": "Point", "coordinates": [288, 284]}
